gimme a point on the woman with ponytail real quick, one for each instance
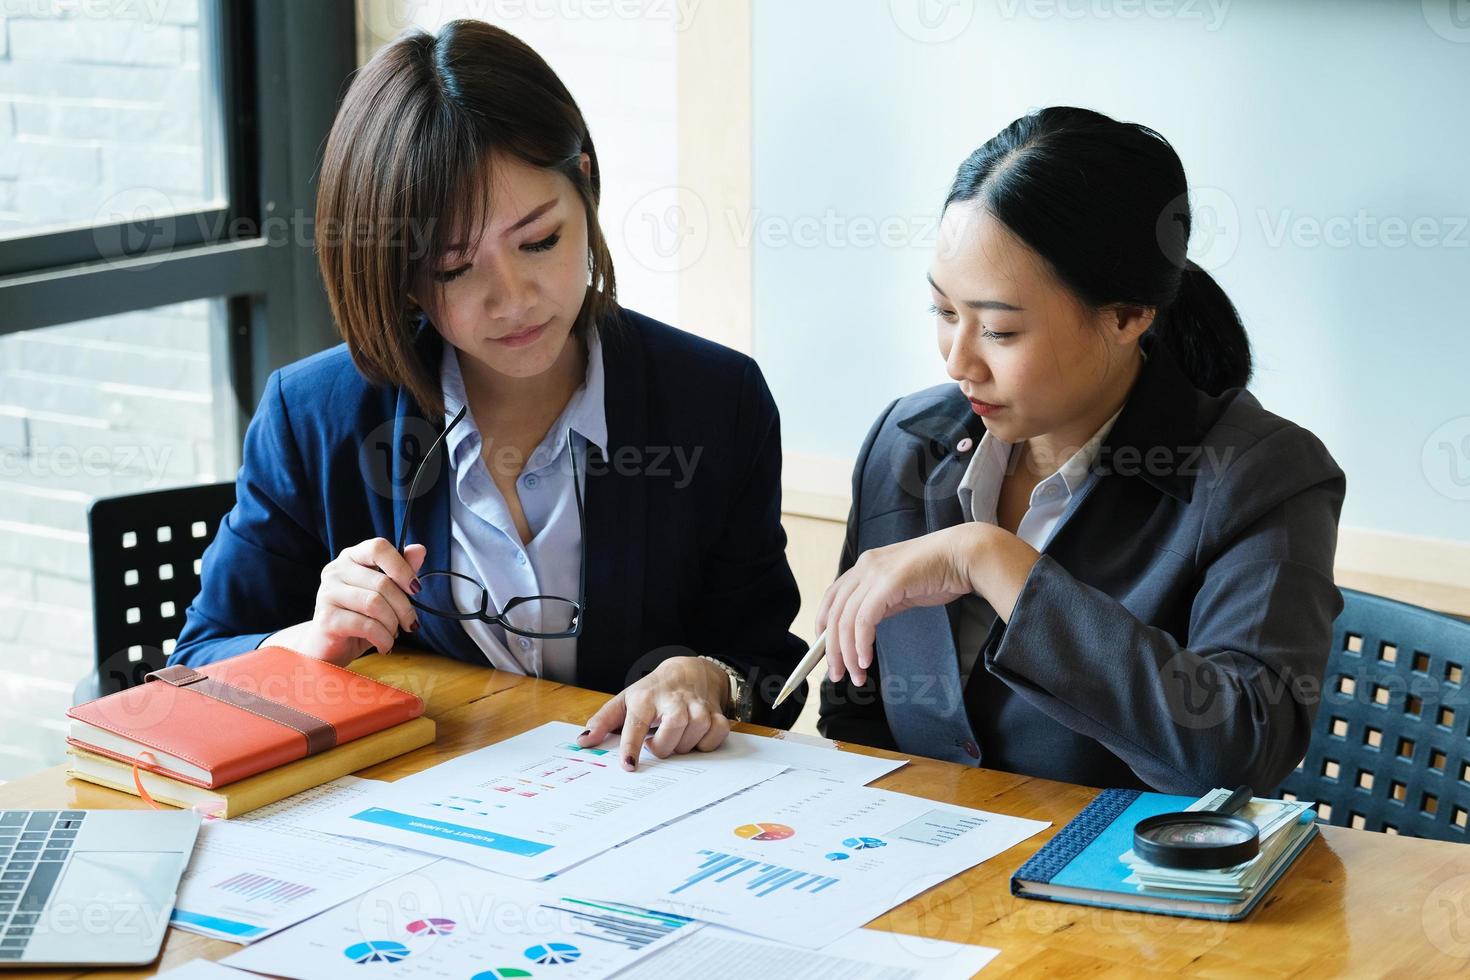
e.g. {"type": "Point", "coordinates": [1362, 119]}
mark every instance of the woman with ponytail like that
{"type": "Point", "coordinates": [1094, 557]}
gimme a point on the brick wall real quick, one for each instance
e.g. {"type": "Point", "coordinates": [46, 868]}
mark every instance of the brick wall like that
{"type": "Point", "coordinates": [100, 116]}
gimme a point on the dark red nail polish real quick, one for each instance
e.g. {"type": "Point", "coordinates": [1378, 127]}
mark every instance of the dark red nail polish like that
{"type": "Point", "coordinates": [413, 627]}
{"type": "Point", "coordinates": [414, 586]}
{"type": "Point", "coordinates": [628, 761]}
{"type": "Point", "coordinates": [585, 733]}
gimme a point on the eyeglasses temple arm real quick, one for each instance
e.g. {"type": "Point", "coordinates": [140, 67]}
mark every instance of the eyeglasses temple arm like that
{"type": "Point", "coordinates": [582, 520]}
{"type": "Point", "coordinates": [418, 474]}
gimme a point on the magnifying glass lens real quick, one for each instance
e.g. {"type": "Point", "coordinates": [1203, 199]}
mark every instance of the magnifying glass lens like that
{"type": "Point", "coordinates": [1195, 834]}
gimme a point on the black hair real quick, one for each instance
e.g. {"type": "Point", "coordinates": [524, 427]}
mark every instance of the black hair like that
{"type": "Point", "coordinates": [1105, 203]}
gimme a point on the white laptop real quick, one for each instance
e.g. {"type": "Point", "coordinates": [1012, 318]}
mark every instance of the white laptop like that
{"type": "Point", "coordinates": [89, 887]}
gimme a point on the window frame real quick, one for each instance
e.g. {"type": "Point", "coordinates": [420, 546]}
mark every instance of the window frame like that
{"type": "Point", "coordinates": [282, 71]}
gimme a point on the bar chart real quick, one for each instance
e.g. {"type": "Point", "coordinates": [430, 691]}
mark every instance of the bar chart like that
{"type": "Point", "coordinates": [939, 827]}
{"type": "Point", "coordinates": [758, 877]}
{"type": "Point", "coordinates": [625, 925]}
{"type": "Point", "coordinates": [264, 888]}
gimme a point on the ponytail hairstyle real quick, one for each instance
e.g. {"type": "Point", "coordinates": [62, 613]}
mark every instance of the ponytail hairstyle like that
{"type": "Point", "coordinates": [1105, 203]}
{"type": "Point", "coordinates": [405, 166]}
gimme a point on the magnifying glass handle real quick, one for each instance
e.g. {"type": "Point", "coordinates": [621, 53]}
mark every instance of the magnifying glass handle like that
{"type": "Point", "coordinates": [1236, 800]}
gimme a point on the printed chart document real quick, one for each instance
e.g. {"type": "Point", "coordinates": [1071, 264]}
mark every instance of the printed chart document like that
{"type": "Point", "coordinates": [263, 871]}
{"type": "Point", "coordinates": [799, 859]}
{"type": "Point", "coordinates": [815, 761]}
{"type": "Point", "coordinates": [828, 763]}
{"type": "Point", "coordinates": [714, 953]}
{"type": "Point", "coordinates": [536, 804]}
{"type": "Point", "coordinates": [453, 920]}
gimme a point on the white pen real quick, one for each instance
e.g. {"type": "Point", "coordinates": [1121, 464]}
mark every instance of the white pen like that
{"type": "Point", "coordinates": [817, 652]}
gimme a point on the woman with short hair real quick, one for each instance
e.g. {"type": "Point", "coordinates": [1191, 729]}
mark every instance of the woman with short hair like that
{"type": "Point", "coordinates": [424, 481]}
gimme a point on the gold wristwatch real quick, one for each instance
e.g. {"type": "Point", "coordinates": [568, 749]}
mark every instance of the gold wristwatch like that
{"type": "Point", "coordinates": [741, 704]}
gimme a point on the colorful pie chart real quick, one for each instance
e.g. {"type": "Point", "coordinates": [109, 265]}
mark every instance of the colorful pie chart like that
{"type": "Point", "coordinates": [503, 973]}
{"type": "Point", "coordinates": [379, 951]}
{"type": "Point", "coordinates": [764, 831]}
{"type": "Point", "coordinates": [551, 954]}
{"type": "Point", "coordinates": [431, 927]}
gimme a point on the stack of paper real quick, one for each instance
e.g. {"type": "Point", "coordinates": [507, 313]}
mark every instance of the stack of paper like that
{"type": "Point", "coordinates": [800, 861]}
{"type": "Point", "coordinates": [767, 855]}
{"type": "Point", "coordinates": [451, 919]}
{"type": "Point", "coordinates": [1280, 825]}
{"type": "Point", "coordinates": [264, 871]}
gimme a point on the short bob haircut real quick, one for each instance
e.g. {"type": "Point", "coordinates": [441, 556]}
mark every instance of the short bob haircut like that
{"type": "Point", "coordinates": [404, 173]}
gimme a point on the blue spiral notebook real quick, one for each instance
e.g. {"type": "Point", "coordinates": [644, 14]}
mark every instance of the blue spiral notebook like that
{"type": "Point", "coordinates": [1080, 864]}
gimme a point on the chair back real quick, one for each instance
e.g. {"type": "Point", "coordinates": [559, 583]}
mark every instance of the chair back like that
{"type": "Point", "coordinates": [1389, 750]}
{"type": "Point", "coordinates": [146, 550]}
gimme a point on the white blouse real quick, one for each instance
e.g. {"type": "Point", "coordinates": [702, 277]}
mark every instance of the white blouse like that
{"type": "Point", "coordinates": [484, 542]}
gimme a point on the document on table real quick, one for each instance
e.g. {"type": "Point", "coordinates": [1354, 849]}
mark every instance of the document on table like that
{"type": "Point", "coordinates": [715, 953]}
{"type": "Point", "coordinates": [799, 859]}
{"type": "Point", "coordinates": [828, 763]}
{"type": "Point", "coordinates": [816, 761]}
{"type": "Point", "coordinates": [263, 871]}
{"type": "Point", "coordinates": [204, 970]}
{"type": "Point", "coordinates": [454, 920]}
{"type": "Point", "coordinates": [537, 803]}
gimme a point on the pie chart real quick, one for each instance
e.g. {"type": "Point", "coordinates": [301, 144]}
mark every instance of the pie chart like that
{"type": "Point", "coordinates": [551, 954]}
{"type": "Point", "coordinates": [764, 831]}
{"type": "Point", "coordinates": [431, 927]}
{"type": "Point", "coordinates": [503, 973]}
{"type": "Point", "coordinates": [379, 951]}
{"type": "Point", "coordinates": [863, 843]}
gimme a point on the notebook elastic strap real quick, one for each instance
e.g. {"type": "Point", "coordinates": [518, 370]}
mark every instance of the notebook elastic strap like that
{"type": "Point", "coordinates": [320, 733]}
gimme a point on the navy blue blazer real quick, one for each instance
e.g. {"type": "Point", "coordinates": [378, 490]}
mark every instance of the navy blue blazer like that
{"type": "Point", "coordinates": [685, 550]}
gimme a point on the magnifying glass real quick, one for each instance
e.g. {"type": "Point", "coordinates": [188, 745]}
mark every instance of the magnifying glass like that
{"type": "Point", "coordinates": [1198, 840]}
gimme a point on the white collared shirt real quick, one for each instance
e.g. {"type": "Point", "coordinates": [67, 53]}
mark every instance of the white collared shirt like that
{"type": "Point", "coordinates": [979, 489]}
{"type": "Point", "coordinates": [979, 493]}
{"type": "Point", "coordinates": [484, 542]}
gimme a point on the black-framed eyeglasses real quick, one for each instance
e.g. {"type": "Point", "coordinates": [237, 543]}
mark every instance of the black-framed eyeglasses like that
{"type": "Point", "coordinates": [522, 615]}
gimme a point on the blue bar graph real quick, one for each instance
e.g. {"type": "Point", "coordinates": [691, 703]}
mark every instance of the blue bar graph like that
{"type": "Point", "coordinates": [719, 868]}
{"type": "Point", "coordinates": [623, 925]}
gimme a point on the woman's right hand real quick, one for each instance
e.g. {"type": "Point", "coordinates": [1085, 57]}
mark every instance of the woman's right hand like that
{"type": "Point", "coordinates": [361, 605]}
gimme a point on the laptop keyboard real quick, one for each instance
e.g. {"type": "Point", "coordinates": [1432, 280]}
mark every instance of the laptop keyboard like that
{"type": "Point", "coordinates": [33, 849]}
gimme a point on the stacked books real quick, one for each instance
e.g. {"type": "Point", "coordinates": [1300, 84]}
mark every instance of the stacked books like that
{"type": "Point", "coordinates": [1091, 861]}
{"type": "Point", "coordinates": [243, 732]}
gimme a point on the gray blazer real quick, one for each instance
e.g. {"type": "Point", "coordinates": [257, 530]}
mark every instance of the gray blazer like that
{"type": "Point", "coordinates": [1173, 634]}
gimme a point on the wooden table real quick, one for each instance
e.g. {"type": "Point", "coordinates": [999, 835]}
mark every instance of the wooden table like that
{"type": "Point", "coordinates": [1355, 903]}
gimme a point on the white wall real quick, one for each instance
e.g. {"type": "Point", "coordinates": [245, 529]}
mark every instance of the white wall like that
{"type": "Point", "coordinates": [1293, 120]}
{"type": "Point", "coordinates": [617, 60]}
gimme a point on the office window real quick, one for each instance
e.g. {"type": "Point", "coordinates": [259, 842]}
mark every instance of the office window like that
{"type": "Point", "coordinates": [112, 113]}
{"type": "Point", "coordinates": [156, 185]}
{"type": "Point", "coordinates": [117, 404]}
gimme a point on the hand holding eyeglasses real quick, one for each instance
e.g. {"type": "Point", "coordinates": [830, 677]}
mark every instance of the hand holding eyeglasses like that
{"type": "Point", "coordinates": [362, 603]}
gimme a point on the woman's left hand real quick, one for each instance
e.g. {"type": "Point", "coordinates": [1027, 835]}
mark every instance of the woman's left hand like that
{"type": "Point", "coordinates": [930, 570]}
{"type": "Point", "coordinates": [684, 696]}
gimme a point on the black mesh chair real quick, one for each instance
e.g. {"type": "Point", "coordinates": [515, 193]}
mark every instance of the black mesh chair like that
{"type": "Point", "coordinates": [145, 572]}
{"type": "Point", "coordinates": [1389, 750]}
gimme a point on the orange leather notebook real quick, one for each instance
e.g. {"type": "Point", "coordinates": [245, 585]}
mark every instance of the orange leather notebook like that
{"type": "Point", "coordinates": [219, 723]}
